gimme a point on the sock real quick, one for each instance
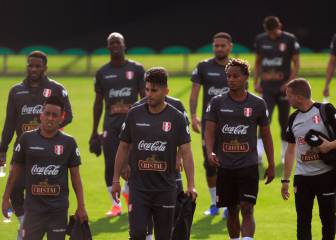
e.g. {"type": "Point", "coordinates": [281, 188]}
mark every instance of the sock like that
{"type": "Point", "coordinates": [247, 238]}
{"type": "Point", "coordinates": [114, 203]}
{"type": "Point", "coordinates": [234, 238]}
{"type": "Point", "coordinates": [20, 219]}
{"type": "Point", "coordinates": [260, 149]}
{"type": "Point", "coordinates": [125, 188]}
{"type": "Point", "coordinates": [283, 150]}
{"type": "Point", "coordinates": [213, 195]}
{"type": "Point", "coordinates": [149, 237]}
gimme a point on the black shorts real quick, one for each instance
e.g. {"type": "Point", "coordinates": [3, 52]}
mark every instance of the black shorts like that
{"type": "Point", "coordinates": [36, 225]}
{"type": "Point", "coordinates": [237, 185]}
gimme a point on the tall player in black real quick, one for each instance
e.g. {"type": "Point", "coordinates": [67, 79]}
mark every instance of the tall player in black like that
{"type": "Point", "coordinates": [45, 155]}
{"type": "Point", "coordinates": [331, 66]}
{"type": "Point", "coordinates": [211, 75]}
{"type": "Point", "coordinates": [23, 109]}
{"type": "Point", "coordinates": [277, 62]}
{"type": "Point", "coordinates": [153, 132]}
{"type": "Point", "coordinates": [232, 120]}
{"type": "Point", "coordinates": [117, 85]}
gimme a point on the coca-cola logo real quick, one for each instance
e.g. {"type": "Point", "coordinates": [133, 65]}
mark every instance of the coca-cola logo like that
{"type": "Point", "coordinates": [123, 92]}
{"type": "Point", "coordinates": [217, 91]}
{"type": "Point", "coordinates": [51, 170]}
{"type": "Point", "coordinates": [237, 130]}
{"type": "Point", "coordinates": [31, 110]}
{"type": "Point", "coordinates": [157, 146]}
{"type": "Point", "coordinates": [273, 62]}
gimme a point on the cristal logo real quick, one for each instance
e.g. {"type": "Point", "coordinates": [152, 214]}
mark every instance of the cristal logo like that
{"type": "Point", "coordinates": [217, 91]}
{"type": "Point", "coordinates": [157, 146]}
{"type": "Point", "coordinates": [238, 130]}
{"type": "Point", "coordinates": [123, 92]}
{"type": "Point", "coordinates": [31, 110]}
{"type": "Point", "coordinates": [51, 170]}
{"type": "Point", "coordinates": [274, 62]}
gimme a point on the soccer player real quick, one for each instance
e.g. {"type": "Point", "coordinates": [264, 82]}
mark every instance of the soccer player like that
{"type": "Point", "coordinates": [312, 176]}
{"type": "Point", "coordinates": [331, 66]}
{"type": "Point", "coordinates": [23, 109]}
{"type": "Point", "coordinates": [211, 75]}
{"type": "Point", "coordinates": [231, 123]}
{"type": "Point", "coordinates": [277, 62]}
{"type": "Point", "coordinates": [154, 130]}
{"type": "Point", "coordinates": [45, 155]}
{"type": "Point", "coordinates": [118, 84]}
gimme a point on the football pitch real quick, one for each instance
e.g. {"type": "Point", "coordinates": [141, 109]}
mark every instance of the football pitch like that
{"type": "Point", "coordinates": [275, 218]}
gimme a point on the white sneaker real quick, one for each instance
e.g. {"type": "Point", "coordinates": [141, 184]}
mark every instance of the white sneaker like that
{"type": "Point", "coordinates": [149, 237]}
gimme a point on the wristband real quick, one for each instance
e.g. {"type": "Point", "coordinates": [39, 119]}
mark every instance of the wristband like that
{"type": "Point", "coordinates": [285, 181]}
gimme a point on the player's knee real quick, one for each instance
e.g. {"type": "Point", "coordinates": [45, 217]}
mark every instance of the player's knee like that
{"type": "Point", "coordinates": [246, 209]}
{"type": "Point", "coordinates": [233, 212]}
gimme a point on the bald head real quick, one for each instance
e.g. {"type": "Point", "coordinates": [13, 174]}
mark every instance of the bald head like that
{"type": "Point", "coordinates": [115, 35]}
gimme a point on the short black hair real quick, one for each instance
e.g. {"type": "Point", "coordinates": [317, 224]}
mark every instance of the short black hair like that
{"type": "Point", "coordinates": [271, 23]}
{"type": "Point", "coordinates": [54, 100]}
{"type": "Point", "coordinates": [40, 55]}
{"type": "Point", "coordinates": [157, 75]}
{"type": "Point", "coordinates": [222, 35]}
{"type": "Point", "coordinates": [301, 87]}
{"type": "Point", "coordinates": [242, 64]}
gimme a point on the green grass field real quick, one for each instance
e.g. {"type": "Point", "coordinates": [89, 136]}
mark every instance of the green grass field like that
{"type": "Point", "coordinates": [275, 218]}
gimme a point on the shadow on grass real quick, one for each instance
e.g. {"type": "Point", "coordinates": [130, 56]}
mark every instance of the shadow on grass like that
{"type": "Point", "coordinates": [207, 226]}
{"type": "Point", "coordinates": [110, 225]}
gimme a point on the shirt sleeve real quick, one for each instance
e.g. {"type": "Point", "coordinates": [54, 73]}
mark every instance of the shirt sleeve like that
{"type": "Point", "coordinates": [75, 159]}
{"type": "Point", "coordinates": [10, 123]}
{"type": "Point", "coordinates": [296, 46]}
{"type": "Point", "coordinates": [290, 138]}
{"type": "Point", "coordinates": [211, 110]}
{"type": "Point", "coordinates": [125, 133]}
{"type": "Point", "coordinates": [183, 111]}
{"type": "Point", "coordinates": [184, 131]}
{"type": "Point", "coordinates": [67, 107]}
{"type": "Point", "coordinates": [196, 76]}
{"type": "Point", "coordinates": [263, 115]}
{"type": "Point", "coordinates": [333, 46]}
{"type": "Point", "coordinates": [331, 116]}
{"type": "Point", "coordinates": [140, 79]}
{"type": "Point", "coordinates": [19, 155]}
{"type": "Point", "coordinates": [97, 83]}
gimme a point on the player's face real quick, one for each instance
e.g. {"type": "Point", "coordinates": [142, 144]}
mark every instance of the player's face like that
{"type": "Point", "coordinates": [221, 47]}
{"type": "Point", "coordinates": [155, 94]}
{"type": "Point", "coordinates": [35, 68]}
{"type": "Point", "coordinates": [116, 46]}
{"type": "Point", "coordinates": [292, 98]}
{"type": "Point", "coordinates": [273, 34]}
{"type": "Point", "coordinates": [51, 118]}
{"type": "Point", "coordinates": [236, 79]}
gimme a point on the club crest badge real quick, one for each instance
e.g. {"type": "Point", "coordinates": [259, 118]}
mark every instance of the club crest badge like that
{"type": "Point", "coordinates": [282, 47]}
{"type": "Point", "coordinates": [129, 75]}
{"type": "Point", "coordinates": [47, 92]}
{"type": "Point", "coordinates": [58, 149]}
{"type": "Point", "coordinates": [247, 112]}
{"type": "Point", "coordinates": [316, 119]}
{"type": "Point", "coordinates": [166, 126]}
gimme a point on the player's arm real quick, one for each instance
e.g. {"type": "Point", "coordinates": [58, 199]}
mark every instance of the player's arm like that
{"type": "Point", "coordinates": [97, 112]}
{"type": "Point", "coordinates": [189, 168]}
{"type": "Point", "coordinates": [15, 172]}
{"type": "Point", "coordinates": [67, 109]}
{"type": "Point", "coordinates": [8, 129]}
{"type": "Point", "coordinates": [256, 74]}
{"type": "Point", "coordinates": [195, 122]}
{"type": "Point", "coordinates": [121, 157]}
{"type": "Point", "coordinates": [266, 136]}
{"type": "Point", "coordinates": [288, 166]}
{"type": "Point", "coordinates": [78, 188]}
{"type": "Point", "coordinates": [209, 137]}
{"type": "Point", "coordinates": [295, 66]}
{"type": "Point", "coordinates": [330, 72]}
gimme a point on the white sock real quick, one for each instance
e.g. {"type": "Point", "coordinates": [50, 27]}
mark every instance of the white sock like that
{"type": "Point", "coordinates": [213, 195]}
{"type": "Point", "coordinates": [125, 188]}
{"type": "Point", "coordinates": [149, 237]}
{"type": "Point", "coordinates": [260, 149]}
{"type": "Point", "coordinates": [114, 203]}
{"type": "Point", "coordinates": [284, 145]}
{"type": "Point", "coordinates": [247, 238]}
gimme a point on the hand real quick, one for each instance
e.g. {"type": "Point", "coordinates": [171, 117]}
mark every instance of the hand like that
{"type": "Point", "coordinates": [326, 91]}
{"type": "Point", "coordinates": [269, 174]}
{"type": "Point", "coordinates": [326, 146]}
{"type": "Point", "coordinates": [258, 88]}
{"type": "Point", "coordinates": [213, 160]}
{"type": "Point", "coordinates": [284, 191]}
{"type": "Point", "coordinates": [81, 214]}
{"type": "Point", "coordinates": [2, 159]}
{"type": "Point", "coordinates": [116, 189]}
{"type": "Point", "coordinates": [6, 205]}
{"type": "Point", "coordinates": [195, 124]}
{"type": "Point", "coordinates": [126, 172]}
{"type": "Point", "coordinates": [191, 192]}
